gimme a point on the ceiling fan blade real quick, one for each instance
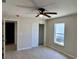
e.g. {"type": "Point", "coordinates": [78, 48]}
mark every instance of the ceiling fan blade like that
{"type": "Point", "coordinates": [47, 15]}
{"type": "Point", "coordinates": [50, 13]}
{"type": "Point", "coordinates": [37, 15]}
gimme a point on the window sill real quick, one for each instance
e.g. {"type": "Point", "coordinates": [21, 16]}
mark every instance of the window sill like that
{"type": "Point", "coordinates": [60, 44]}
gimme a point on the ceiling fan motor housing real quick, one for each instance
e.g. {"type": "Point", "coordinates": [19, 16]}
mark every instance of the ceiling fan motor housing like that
{"type": "Point", "coordinates": [41, 10]}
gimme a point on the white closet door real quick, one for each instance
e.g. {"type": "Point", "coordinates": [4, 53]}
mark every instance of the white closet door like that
{"type": "Point", "coordinates": [35, 35]}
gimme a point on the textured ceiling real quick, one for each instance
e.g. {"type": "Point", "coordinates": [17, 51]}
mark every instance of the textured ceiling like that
{"type": "Point", "coordinates": [26, 8]}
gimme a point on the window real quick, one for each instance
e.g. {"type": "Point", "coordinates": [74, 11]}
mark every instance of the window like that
{"type": "Point", "coordinates": [59, 34]}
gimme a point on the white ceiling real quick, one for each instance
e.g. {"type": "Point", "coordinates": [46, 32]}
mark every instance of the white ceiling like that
{"type": "Point", "coordinates": [62, 7]}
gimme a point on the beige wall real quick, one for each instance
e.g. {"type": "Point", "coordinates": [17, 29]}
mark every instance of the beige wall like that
{"type": "Point", "coordinates": [70, 34]}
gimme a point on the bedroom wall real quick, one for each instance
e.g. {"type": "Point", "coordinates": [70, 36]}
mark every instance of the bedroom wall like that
{"type": "Point", "coordinates": [24, 30]}
{"type": "Point", "coordinates": [70, 47]}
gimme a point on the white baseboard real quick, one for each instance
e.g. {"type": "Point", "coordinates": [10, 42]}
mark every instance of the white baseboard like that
{"type": "Point", "coordinates": [63, 52]}
{"type": "Point", "coordinates": [24, 48]}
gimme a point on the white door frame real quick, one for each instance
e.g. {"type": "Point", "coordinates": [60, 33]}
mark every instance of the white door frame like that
{"type": "Point", "coordinates": [15, 30]}
{"type": "Point", "coordinates": [44, 42]}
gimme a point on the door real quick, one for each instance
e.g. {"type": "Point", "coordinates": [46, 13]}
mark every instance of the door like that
{"type": "Point", "coordinates": [41, 34]}
{"type": "Point", "coordinates": [9, 32]}
{"type": "Point", "coordinates": [35, 31]}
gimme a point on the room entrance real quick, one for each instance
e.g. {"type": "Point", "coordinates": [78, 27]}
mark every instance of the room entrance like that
{"type": "Point", "coordinates": [10, 35]}
{"type": "Point", "coordinates": [41, 34]}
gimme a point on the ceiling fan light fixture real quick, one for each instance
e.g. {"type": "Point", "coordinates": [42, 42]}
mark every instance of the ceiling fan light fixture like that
{"type": "Point", "coordinates": [41, 16]}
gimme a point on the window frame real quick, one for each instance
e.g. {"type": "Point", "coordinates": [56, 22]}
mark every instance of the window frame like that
{"type": "Point", "coordinates": [58, 43]}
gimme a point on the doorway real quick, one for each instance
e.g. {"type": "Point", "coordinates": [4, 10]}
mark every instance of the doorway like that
{"type": "Point", "coordinates": [41, 34]}
{"type": "Point", "coordinates": [10, 35]}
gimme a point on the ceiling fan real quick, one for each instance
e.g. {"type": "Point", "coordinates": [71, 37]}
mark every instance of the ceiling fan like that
{"type": "Point", "coordinates": [42, 11]}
